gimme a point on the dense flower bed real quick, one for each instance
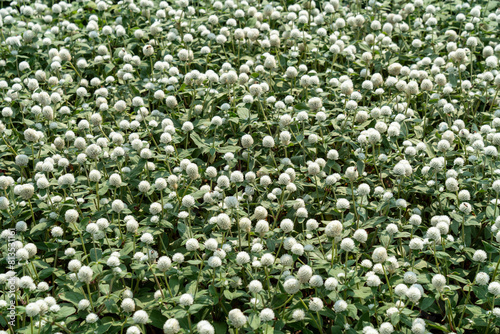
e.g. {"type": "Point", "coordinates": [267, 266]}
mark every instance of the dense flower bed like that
{"type": "Point", "coordinates": [249, 167]}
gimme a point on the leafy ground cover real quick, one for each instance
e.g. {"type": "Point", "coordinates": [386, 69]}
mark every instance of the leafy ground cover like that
{"type": "Point", "coordinates": [249, 167]}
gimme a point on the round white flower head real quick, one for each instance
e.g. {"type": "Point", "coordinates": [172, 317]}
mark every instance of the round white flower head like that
{"type": "Point", "coordinates": [343, 204]}
{"type": "Point", "coordinates": [147, 238]}
{"type": "Point", "coordinates": [331, 283]}
{"type": "Point", "coordinates": [268, 142]}
{"type": "Point", "coordinates": [316, 304]}
{"type": "Point", "coordinates": [351, 173]}
{"type": "Point", "coordinates": [414, 294]}
{"type": "Point", "coordinates": [186, 300]}
{"type": "Point", "coordinates": [494, 288]}
{"type": "Point", "coordinates": [140, 317]}
{"type": "Point", "coordinates": [85, 274]}
{"type": "Point", "coordinates": [71, 216]}
{"type": "Point", "coordinates": [188, 201]}
{"type": "Point", "coordinates": [291, 286]}
{"type": "Point", "coordinates": [171, 326]}
{"type": "Point", "coordinates": [334, 228]}
{"type": "Point", "coordinates": [92, 318]}
{"type": "Point", "coordinates": [247, 141]}
{"type": "Point", "coordinates": [236, 318]}
{"type": "Point", "coordinates": [83, 304]}
{"type": "Point", "coordinates": [266, 315]}
{"type": "Point", "coordinates": [347, 245]}
{"type": "Point", "coordinates": [204, 327]}
{"type": "Point", "coordinates": [360, 235]}
{"type": "Point", "coordinates": [316, 281]}
{"type": "Point", "coordinates": [128, 305]}
{"type": "Point", "coordinates": [340, 306]}
{"type": "Point", "coordinates": [373, 281]}
{"type": "Point", "coordinates": [386, 328]}
{"type": "Point", "coordinates": [438, 282]}
{"type": "Point", "coordinates": [286, 225]}
{"type": "Point", "coordinates": [479, 256]}
{"type": "Point", "coordinates": [401, 289]}
{"type": "Point", "coordinates": [482, 278]}
{"type": "Point", "coordinates": [214, 261]}
{"type": "Point", "coordinates": [133, 330]}
{"type": "Point", "coordinates": [298, 315]}
{"type": "Point", "coordinates": [379, 255]}
{"type": "Point", "coordinates": [242, 258]}
{"type": "Point", "coordinates": [32, 310]}
{"type": "Point", "coordinates": [255, 286]}
{"type": "Point", "coordinates": [304, 274]}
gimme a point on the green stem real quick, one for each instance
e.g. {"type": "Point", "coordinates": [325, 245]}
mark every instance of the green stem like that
{"type": "Point", "coordinates": [388, 283]}
{"type": "Point", "coordinates": [333, 250]}
{"type": "Point", "coordinates": [90, 298]}
{"type": "Point", "coordinates": [354, 204]}
{"type": "Point", "coordinates": [491, 314]}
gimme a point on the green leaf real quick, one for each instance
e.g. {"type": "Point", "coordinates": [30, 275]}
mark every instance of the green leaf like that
{"type": "Point", "coordinates": [65, 311]}
{"type": "Point", "coordinates": [127, 248]}
{"type": "Point", "coordinates": [108, 68]}
{"type": "Point", "coordinates": [111, 306]}
{"type": "Point", "coordinates": [137, 170]}
{"type": "Point", "coordinates": [46, 273]}
{"type": "Point", "coordinates": [195, 308]}
{"type": "Point", "coordinates": [361, 167]}
{"type": "Point", "coordinates": [395, 318]}
{"type": "Point", "coordinates": [220, 328]}
{"type": "Point", "coordinates": [452, 77]}
{"type": "Point", "coordinates": [254, 320]}
{"type": "Point", "coordinates": [39, 227]}
{"type": "Point", "coordinates": [419, 131]}
{"type": "Point", "coordinates": [426, 303]}
{"type": "Point", "coordinates": [73, 297]}
{"type": "Point", "coordinates": [243, 113]}
{"type": "Point", "coordinates": [228, 149]}
{"type": "Point", "coordinates": [363, 292]}
{"type": "Point", "coordinates": [103, 188]}
{"type": "Point", "coordinates": [489, 248]}
{"type": "Point", "coordinates": [385, 240]}
{"type": "Point", "coordinates": [95, 254]}
{"type": "Point", "coordinates": [436, 326]}
{"type": "Point", "coordinates": [251, 22]}
{"type": "Point", "coordinates": [103, 328]}
{"type": "Point", "coordinates": [374, 222]}
{"type": "Point", "coordinates": [458, 279]}
{"type": "Point", "coordinates": [228, 294]}
{"type": "Point", "coordinates": [157, 319]}
{"type": "Point", "coordinates": [197, 140]}
{"type": "Point", "coordinates": [182, 228]}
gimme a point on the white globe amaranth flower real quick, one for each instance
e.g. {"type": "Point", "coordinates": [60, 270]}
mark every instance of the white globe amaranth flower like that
{"type": "Point", "coordinates": [186, 300]}
{"type": "Point", "coordinates": [340, 306]}
{"type": "Point", "coordinates": [268, 142]}
{"type": "Point", "coordinates": [140, 317]}
{"type": "Point", "coordinates": [85, 274]}
{"type": "Point", "coordinates": [482, 278]}
{"type": "Point", "coordinates": [413, 294]}
{"type": "Point", "coordinates": [171, 326]}
{"type": "Point", "coordinates": [343, 204]}
{"type": "Point", "coordinates": [291, 286]}
{"type": "Point", "coordinates": [494, 288]}
{"type": "Point", "coordinates": [236, 318]}
{"type": "Point", "coordinates": [379, 255]}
